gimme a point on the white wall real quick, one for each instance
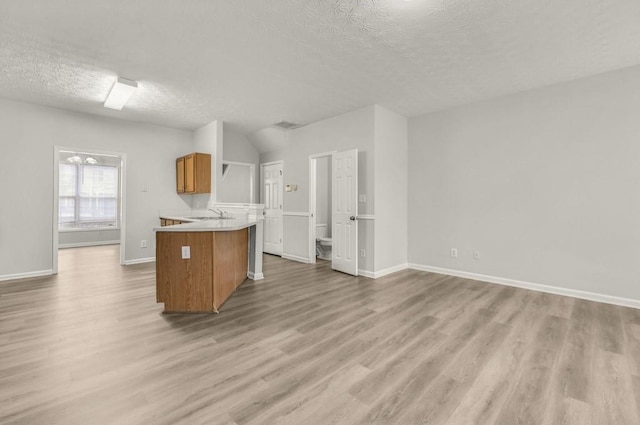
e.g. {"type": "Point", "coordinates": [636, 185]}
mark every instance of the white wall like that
{"type": "Point", "coordinates": [347, 131]}
{"type": "Point", "coordinates": [236, 147]}
{"type": "Point", "coordinates": [235, 186]}
{"type": "Point", "coordinates": [545, 184]}
{"type": "Point", "coordinates": [208, 139]}
{"type": "Point", "coordinates": [28, 134]}
{"type": "Point", "coordinates": [72, 239]}
{"type": "Point", "coordinates": [391, 163]}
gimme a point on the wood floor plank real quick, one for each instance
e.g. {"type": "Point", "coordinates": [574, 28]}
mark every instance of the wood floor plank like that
{"type": "Point", "coordinates": [311, 346]}
{"type": "Point", "coordinates": [610, 336]}
{"type": "Point", "coordinates": [613, 395]}
{"type": "Point", "coordinates": [528, 401]}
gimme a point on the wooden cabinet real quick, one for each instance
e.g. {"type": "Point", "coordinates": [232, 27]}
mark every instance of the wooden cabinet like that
{"type": "Point", "coordinates": [180, 175]}
{"type": "Point", "coordinates": [193, 173]}
{"type": "Point", "coordinates": [169, 222]}
{"type": "Point", "coordinates": [202, 283]}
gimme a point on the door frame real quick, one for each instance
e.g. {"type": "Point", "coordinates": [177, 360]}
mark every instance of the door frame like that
{"type": "Point", "coordinates": [265, 164]}
{"type": "Point", "coordinates": [313, 162]}
{"type": "Point", "coordinates": [56, 190]}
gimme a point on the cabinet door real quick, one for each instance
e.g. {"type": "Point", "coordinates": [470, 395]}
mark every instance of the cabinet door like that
{"type": "Point", "coordinates": [189, 174]}
{"type": "Point", "coordinates": [180, 175]}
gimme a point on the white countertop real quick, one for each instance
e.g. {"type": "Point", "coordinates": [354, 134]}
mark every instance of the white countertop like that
{"type": "Point", "coordinates": [225, 225]}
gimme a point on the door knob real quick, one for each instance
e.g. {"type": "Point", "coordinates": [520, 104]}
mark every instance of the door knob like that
{"type": "Point", "coordinates": [352, 218]}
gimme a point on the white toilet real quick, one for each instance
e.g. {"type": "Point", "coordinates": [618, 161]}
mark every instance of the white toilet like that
{"type": "Point", "coordinates": [323, 242]}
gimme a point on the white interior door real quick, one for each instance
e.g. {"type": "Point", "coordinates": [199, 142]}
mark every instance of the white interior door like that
{"type": "Point", "coordinates": [345, 212]}
{"type": "Point", "coordinates": [271, 195]}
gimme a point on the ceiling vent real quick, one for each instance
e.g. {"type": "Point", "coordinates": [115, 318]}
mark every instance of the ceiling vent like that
{"type": "Point", "coordinates": [286, 125]}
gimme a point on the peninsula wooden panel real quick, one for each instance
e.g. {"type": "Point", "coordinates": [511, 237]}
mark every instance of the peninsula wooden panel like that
{"type": "Point", "coordinates": [202, 283]}
{"type": "Point", "coordinates": [202, 173]}
{"type": "Point", "coordinates": [229, 265]}
{"type": "Point", "coordinates": [184, 285]}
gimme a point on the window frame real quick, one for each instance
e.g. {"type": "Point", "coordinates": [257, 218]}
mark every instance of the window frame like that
{"type": "Point", "coordinates": [77, 199]}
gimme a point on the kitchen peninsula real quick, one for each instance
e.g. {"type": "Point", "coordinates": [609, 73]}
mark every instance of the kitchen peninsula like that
{"type": "Point", "coordinates": [199, 264]}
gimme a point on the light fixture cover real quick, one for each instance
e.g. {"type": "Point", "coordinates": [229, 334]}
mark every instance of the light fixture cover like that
{"type": "Point", "coordinates": [120, 93]}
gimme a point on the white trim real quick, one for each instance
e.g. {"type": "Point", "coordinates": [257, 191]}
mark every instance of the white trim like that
{"type": "Point", "coordinates": [280, 161]}
{"type": "Point", "coordinates": [366, 217]}
{"type": "Point", "coordinates": [139, 261]}
{"type": "Point", "coordinates": [322, 154]}
{"type": "Point", "coordinates": [56, 199]}
{"type": "Point", "coordinates": [389, 270]}
{"type": "Point", "coordinates": [383, 272]}
{"type": "Point", "coordinates": [574, 293]}
{"type": "Point", "coordinates": [123, 205]}
{"type": "Point", "coordinates": [255, 276]}
{"type": "Point", "coordinates": [312, 210]}
{"type": "Point", "coordinates": [37, 273]}
{"type": "Point", "coordinates": [295, 214]}
{"type": "Point", "coordinates": [295, 258]}
{"type": "Point", "coordinates": [366, 273]}
{"type": "Point", "coordinates": [82, 244]}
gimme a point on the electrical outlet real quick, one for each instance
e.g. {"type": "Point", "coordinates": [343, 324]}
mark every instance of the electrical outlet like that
{"type": "Point", "coordinates": [186, 252]}
{"type": "Point", "coordinates": [363, 253]}
{"type": "Point", "coordinates": [476, 255]}
{"type": "Point", "coordinates": [143, 244]}
{"type": "Point", "coordinates": [454, 252]}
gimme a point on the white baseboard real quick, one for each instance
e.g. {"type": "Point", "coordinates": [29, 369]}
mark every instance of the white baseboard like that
{"type": "Point", "coordinates": [83, 244]}
{"type": "Point", "coordinates": [390, 270]}
{"type": "Point", "coordinates": [366, 273]}
{"type": "Point", "coordinates": [574, 293]}
{"type": "Point", "coordinates": [255, 276]}
{"type": "Point", "coordinates": [295, 258]}
{"type": "Point", "coordinates": [140, 261]}
{"type": "Point", "coordinates": [37, 273]}
{"type": "Point", "coordinates": [383, 272]}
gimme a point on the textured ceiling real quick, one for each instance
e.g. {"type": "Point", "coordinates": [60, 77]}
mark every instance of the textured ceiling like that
{"type": "Point", "coordinates": [252, 63]}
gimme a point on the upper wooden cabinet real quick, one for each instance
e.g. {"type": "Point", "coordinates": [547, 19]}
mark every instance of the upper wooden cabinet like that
{"type": "Point", "coordinates": [193, 173]}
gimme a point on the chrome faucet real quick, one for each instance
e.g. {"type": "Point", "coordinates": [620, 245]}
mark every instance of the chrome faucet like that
{"type": "Point", "coordinates": [217, 211]}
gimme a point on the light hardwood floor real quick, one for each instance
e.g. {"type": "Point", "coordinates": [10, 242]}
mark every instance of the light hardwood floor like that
{"type": "Point", "coordinates": [310, 346]}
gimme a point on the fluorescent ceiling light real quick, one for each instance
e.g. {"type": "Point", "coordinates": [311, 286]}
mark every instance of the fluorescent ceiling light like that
{"type": "Point", "coordinates": [120, 93]}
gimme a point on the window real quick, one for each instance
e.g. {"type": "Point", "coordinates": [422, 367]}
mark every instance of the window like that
{"type": "Point", "coordinates": [88, 196]}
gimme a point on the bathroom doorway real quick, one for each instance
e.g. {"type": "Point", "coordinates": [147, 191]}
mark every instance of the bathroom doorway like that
{"type": "Point", "coordinates": [320, 207]}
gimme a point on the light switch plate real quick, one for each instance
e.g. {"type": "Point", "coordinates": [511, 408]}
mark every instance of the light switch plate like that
{"type": "Point", "coordinates": [186, 252]}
